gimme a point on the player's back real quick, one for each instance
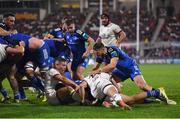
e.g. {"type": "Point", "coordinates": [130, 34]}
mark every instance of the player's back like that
{"type": "Point", "coordinates": [124, 60]}
{"type": "Point", "coordinates": [97, 83]}
{"type": "Point", "coordinates": [14, 38]}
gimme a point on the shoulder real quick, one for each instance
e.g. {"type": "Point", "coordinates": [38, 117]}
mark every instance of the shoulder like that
{"type": "Point", "coordinates": [53, 72]}
{"type": "Point", "coordinates": [112, 51]}
{"type": "Point", "coordinates": [114, 25]}
{"type": "Point", "coordinates": [82, 34]}
{"type": "Point", "coordinates": [57, 29]}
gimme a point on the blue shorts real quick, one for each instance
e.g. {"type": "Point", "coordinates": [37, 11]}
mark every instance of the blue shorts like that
{"type": "Point", "coordinates": [124, 74]}
{"type": "Point", "coordinates": [79, 62]}
{"type": "Point", "coordinates": [42, 56]}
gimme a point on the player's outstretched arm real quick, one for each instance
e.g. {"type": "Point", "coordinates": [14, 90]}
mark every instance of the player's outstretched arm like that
{"type": "Point", "coordinates": [66, 81]}
{"type": "Point", "coordinates": [3, 32]}
{"type": "Point", "coordinates": [89, 48]}
{"type": "Point", "coordinates": [111, 66]}
{"type": "Point", "coordinates": [18, 50]}
{"type": "Point", "coordinates": [82, 92]}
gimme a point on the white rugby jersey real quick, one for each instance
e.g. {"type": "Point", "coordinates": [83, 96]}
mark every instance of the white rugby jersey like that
{"type": "Point", "coordinates": [2, 52]}
{"type": "Point", "coordinates": [97, 84]}
{"type": "Point", "coordinates": [53, 72]}
{"type": "Point", "coordinates": [108, 34]}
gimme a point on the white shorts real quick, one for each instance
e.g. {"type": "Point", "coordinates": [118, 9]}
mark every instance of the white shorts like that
{"type": "Point", "coordinates": [98, 92]}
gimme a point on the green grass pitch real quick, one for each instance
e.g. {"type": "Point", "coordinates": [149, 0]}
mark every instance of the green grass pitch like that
{"type": "Point", "coordinates": [167, 76]}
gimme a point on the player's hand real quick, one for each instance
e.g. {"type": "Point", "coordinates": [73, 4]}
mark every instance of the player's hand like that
{"type": "Point", "coordinates": [85, 55]}
{"type": "Point", "coordinates": [48, 36]}
{"type": "Point", "coordinates": [20, 47]}
{"type": "Point", "coordinates": [95, 72]}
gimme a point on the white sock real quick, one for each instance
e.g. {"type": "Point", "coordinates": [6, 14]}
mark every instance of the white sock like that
{"type": "Point", "coordinates": [117, 97]}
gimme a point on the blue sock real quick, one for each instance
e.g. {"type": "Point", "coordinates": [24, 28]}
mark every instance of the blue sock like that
{"type": "Point", "coordinates": [37, 83]}
{"type": "Point", "coordinates": [40, 85]}
{"type": "Point", "coordinates": [153, 93]}
{"type": "Point", "coordinates": [17, 95]}
{"type": "Point", "coordinates": [4, 92]}
{"type": "Point", "coordinates": [22, 93]}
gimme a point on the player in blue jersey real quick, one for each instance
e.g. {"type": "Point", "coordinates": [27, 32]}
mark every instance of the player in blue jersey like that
{"type": "Point", "coordinates": [9, 55]}
{"type": "Point", "coordinates": [6, 28]}
{"type": "Point", "coordinates": [76, 40]}
{"type": "Point", "coordinates": [36, 50]}
{"type": "Point", "coordinates": [120, 64]}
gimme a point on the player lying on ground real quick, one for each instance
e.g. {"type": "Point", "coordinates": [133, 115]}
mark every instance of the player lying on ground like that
{"type": "Point", "coordinates": [61, 88]}
{"type": "Point", "coordinates": [103, 87]}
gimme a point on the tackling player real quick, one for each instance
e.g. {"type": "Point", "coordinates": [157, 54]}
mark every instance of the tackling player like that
{"type": "Point", "coordinates": [119, 64]}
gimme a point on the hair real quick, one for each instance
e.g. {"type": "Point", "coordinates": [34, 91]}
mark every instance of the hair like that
{"type": "Point", "coordinates": [8, 14]}
{"type": "Point", "coordinates": [69, 21]}
{"type": "Point", "coordinates": [60, 59]}
{"type": "Point", "coordinates": [98, 46]}
{"type": "Point", "coordinates": [105, 15]}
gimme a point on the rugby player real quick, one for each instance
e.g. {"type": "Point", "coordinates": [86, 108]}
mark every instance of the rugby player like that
{"type": "Point", "coordinates": [103, 87]}
{"type": "Point", "coordinates": [61, 88]}
{"type": "Point", "coordinates": [110, 34]}
{"type": "Point", "coordinates": [76, 40]}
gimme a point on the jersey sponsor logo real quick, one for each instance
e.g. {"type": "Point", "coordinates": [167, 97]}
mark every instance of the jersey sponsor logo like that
{"type": "Point", "coordinates": [114, 53]}
{"type": "Point", "coordinates": [79, 32]}
{"type": "Point", "coordinates": [110, 50]}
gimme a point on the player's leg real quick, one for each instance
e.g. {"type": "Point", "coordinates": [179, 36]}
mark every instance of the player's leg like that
{"type": "Point", "coordinates": [3, 91]}
{"type": "Point", "coordinates": [136, 76]}
{"type": "Point", "coordinates": [74, 66]}
{"type": "Point", "coordinates": [42, 58]}
{"type": "Point", "coordinates": [13, 83]}
{"type": "Point", "coordinates": [79, 72]}
{"type": "Point", "coordinates": [115, 97]}
{"type": "Point", "coordinates": [141, 83]}
{"type": "Point", "coordinates": [81, 68]}
{"type": "Point", "coordinates": [140, 97]}
{"type": "Point", "coordinates": [30, 68]}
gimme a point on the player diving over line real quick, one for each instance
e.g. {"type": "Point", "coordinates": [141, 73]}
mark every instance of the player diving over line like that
{"type": "Point", "coordinates": [103, 87]}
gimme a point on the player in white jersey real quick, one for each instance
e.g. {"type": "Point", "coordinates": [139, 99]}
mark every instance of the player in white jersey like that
{"type": "Point", "coordinates": [5, 50]}
{"type": "Point", "coordinates": [103, 87]}
{"type": "Point", "coordinates": [110, 34]}
{"type": "Point", "coordinates": [60, 87]}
